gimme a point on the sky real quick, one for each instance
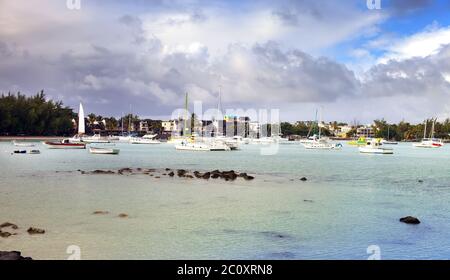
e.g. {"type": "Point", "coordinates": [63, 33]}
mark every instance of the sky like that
{"type": "Point", "coordinates": [353, 62]}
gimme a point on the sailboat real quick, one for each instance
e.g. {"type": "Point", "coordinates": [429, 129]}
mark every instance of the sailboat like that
{"type": "Point", "coordinates": [387, 141]}
{"type": "Point", "coordinates": [76, 141]}
{"type": "Point", "coordinates": [319, 142]}
{"type": "Point", "coordinates": [179, 139]}
{"type": "Point", "coordinates": [430, 142]}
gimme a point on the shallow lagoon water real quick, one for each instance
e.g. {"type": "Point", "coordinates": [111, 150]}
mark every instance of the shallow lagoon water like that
{"type": "Point", "coordinates": [350, 201]}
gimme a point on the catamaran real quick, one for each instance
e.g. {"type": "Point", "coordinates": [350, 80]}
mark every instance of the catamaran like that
{"type": "Point", "coordinates": [203, 146]}
{"type": "Point", "coordinates": [430, 142]}
{"type": "Point", "coordinates": [321, 143]}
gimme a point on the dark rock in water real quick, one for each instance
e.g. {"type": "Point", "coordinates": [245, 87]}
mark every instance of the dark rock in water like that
{"type": "Point", "coordinates": [100, 213]}
{"type": "Point", "coordinates": [229, 175]}
{"type": "Point", "coordinates": [125, 170]}
{"type": "Point", "coordinates": [410, 220]}
{"type": "Point", "coordinates": [303, 179]}
{"type": "Point", "coordinates": [12, 256]}
{"type": "Point", "coordinates": [5, 234]}
{"type": "Point", "coordinates": [171, 174]}
{"type": "Point", "coordinates": [102, 172]}
{"type": "Point", "coordinates": [189, 176]}
{"type": "Point", "coordinates": [198, 174]}
{"type": "Point", "coordinates": [181, 172]}
{"type": "Point", "coordinates": [167, 169]}
{"type": "Point", "coordinates": [157, 177]}
{"type": "Point", "coordinates": [139, 169]}
{"type": "Point", "coordinates": [33, 230]}
{"type": "Point", "coordinates": [420, 181]}
{"type": "Point", "coordinates": [7, 224]}
{"type": "Point", "coordinates": [275, 235]}
{"type": "Point", "coordinates": [206, 175]}
{"type": "Point", "coordinates": [215, 175]}
{"type": "Point", "coordinates": [307, 200]}
{"type": "Point", "coordinates": [123, 215]}
{"type": "Point", "coordinates": [164, 174]}
{"type": "Point", "coordinates": [248, 178]}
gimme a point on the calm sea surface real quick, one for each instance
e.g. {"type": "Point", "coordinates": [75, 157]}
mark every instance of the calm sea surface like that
{"type": "Point", "coordinates": [350, 201]}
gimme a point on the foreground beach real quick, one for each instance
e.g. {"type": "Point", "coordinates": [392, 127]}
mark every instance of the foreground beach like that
{"type": "Point", "coordinates": [348, 203]}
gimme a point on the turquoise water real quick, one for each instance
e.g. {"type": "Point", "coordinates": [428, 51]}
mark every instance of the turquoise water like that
{"type": "Point", "coordinates": [350, 201]}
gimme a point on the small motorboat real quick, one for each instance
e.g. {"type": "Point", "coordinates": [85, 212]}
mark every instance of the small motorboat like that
{"type": "Point", "coordinates": [103, 151]}
{"type": "Point", "coordinates": [34, 152]}
{"type": "Point", "coordinates": [22, 144]}
{"type": "Point", "coordinates": [20, 152]}
{"type": "Point", "coordinates": [64, 144]}
{"type": "Point", "coordinates": [375, 147]}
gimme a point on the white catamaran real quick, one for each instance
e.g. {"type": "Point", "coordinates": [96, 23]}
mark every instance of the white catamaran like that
{"type": "Point", "coordinates": [430, 142]}
{"type": "Point", "coordinates": [320, 143]}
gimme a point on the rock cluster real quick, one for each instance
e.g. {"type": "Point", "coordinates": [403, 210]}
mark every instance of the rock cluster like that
{"type": "Point", "coordinates": [181, 173]}
{"type": "Point", "coordinates": [410, 220]}
{"type": "Point", "coordinates": [12, 256]}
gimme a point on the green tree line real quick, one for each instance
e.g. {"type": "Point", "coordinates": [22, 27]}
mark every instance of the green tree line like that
{"type": "Point", "coordinates": [22, 115]}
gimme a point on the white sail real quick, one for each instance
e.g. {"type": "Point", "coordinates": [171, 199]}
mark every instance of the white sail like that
{"type": "Point", "coordinates": [81, 125]}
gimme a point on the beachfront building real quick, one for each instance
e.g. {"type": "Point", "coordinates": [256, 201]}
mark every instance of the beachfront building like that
{"type": "Point", "coordinates": [365, 131]}
{"type": "Point", "coordinates": [343, 131]}
{"type": "Point", "coordinates": [143, 126]}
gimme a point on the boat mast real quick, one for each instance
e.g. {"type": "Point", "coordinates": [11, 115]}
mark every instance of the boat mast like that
{"type": "Point", "coordinates": [318, 123]}
{"type": "Point", "coordinates": [122, 124]}
{"type": "Point", "coordinates": [129, 121]}
{"type": "Point", "coordinates": [425, 130]}
{"type": "Point", "coordinates": [185, 114]}
{"type": "Point", "coordinates": [432, 129]}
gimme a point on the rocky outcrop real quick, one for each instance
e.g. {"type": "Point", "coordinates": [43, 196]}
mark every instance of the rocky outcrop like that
{"type": "Point", "coordinates": [12, 256]}
{"type": "Point", "coordinates": [182, 173]}
{"type": "Point", "coordinates": [5, 234]}
{"type": "Point", "coordinates": [33, 230]}
{"type": "Point", "coordinates": [8, 224]}
{"type": "Point", "coordinates": [303, 179]}
{"type": "Point", "coordinates": [100, 212]}
{"type": "Point", "coordinates": [410, 220]}
{"type": "Point", "coordinates": [123, 215]}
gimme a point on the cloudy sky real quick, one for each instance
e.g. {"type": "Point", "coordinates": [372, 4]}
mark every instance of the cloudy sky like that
{"type": "Point", "coordinates": [355, 63]}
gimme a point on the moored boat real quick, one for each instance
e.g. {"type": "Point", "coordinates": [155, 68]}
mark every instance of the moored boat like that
{"type": "Point", "coordinates": [375, 147]}
{"type": "Point", "coordinates": [64, 144]}
{"type": "Point", "coordinates": [103, 151]}
{"type": "Point", "coordinates": [137, 140]}
{"type": "Point", "coordinates": [22, 144]}
{"type": "Point", "coordinates": [430, 142]}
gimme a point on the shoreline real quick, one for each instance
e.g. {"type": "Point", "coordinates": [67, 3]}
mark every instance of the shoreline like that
{"type": "Point", "coordinates": [30, 138]}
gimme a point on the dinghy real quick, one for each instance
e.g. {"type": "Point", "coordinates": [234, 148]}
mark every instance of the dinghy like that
{"type": "Point", "coordinates": [104, 151]}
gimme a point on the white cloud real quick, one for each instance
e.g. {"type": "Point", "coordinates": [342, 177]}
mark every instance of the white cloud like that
{"type": "Point", "coordinates": [422, 44]}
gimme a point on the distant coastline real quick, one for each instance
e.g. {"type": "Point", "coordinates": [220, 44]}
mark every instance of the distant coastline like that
{"type": "Point", "coordinates": [30, 138]}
